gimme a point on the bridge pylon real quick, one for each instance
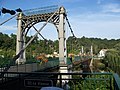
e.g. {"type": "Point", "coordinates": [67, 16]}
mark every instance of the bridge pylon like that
{"type": "Point", "coordinates": [62, 44]}
{"type": "Point", "coordinates": [28, 18]}
{"type": "Point", "coordinates": [20, 43]}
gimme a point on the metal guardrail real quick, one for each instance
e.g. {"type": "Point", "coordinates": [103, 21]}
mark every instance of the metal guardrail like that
{"type": "Point", "coordinates": [29, 66]}
{"type": "Point", "coordinates": [79, 81]}
{"type": "Point", "coordinates": [34, 65]}
{"type": "Point", "coordinates": [116, 82]}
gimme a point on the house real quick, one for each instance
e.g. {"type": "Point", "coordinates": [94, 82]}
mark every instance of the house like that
{"type": "Point", "coordinates": [102, 53]}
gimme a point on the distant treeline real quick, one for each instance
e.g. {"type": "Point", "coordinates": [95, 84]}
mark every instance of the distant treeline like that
{"type": "Point", "coordinates": [8, 45]}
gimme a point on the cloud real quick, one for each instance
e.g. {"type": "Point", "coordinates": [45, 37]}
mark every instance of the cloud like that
{"type": "Point", "coordinates": [7, 28]}
{"type": "Point", "coordinates": [101, 25]}
{"type": "Point", "coordinates": [97, 29]}
{"type": "Point", "coordinates": [49, 32]}
{"type": "Point", "coordinates": [95, 17]}
{"type": "Point", "coordinates": [111, 8]}
{"type": "Point", "coordinates": [99, 1]}
{"type": "Point", "coordinates": [70, 1]}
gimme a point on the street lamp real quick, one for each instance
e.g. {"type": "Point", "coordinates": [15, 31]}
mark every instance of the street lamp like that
{"type": "Point", "coordinates": [12, 12]}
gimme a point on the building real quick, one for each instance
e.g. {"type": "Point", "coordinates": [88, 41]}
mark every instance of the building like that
{"type": "Point", "coordinates": [102, 53]}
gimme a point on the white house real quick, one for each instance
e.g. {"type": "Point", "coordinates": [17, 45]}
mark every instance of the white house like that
{"type": "Point", "coordinates": [102, 53]}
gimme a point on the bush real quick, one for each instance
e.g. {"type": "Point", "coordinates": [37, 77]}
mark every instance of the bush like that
{"type": "Point", "coordinates": [101, 66]}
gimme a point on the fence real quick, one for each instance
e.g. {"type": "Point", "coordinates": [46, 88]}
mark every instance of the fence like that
{"type": "Point", "coordinates": [79, 81]}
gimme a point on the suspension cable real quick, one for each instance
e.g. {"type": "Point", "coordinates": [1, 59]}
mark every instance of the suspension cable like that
{"type": "Point", "coordinates": [75, 38]}
{"type": "Point", "coordinates": [70, 26]}
{"type": "Point", "coordinates": [8, 20]}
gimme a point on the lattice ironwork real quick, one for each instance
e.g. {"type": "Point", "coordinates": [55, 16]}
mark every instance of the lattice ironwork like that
{"type": "Point", "coordinates": [42, 10]}
{"type": "Point", "coordinates": [29, 18]}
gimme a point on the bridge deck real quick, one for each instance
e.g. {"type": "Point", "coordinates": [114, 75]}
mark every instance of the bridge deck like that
{"type": "Point", "coordinates": [36, 66]}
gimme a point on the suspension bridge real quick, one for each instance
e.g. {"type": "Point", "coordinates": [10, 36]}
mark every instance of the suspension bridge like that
{"type": "Point", "coordinates": [56, 72]}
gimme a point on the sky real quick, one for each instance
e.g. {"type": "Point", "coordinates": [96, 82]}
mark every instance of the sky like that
{"type": "Point", "coordinates": [89, 18]}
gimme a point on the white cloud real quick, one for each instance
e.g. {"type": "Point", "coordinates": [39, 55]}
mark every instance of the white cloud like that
{"type": "Point", "coordinates": [70, 1]}
{"type": "Point", "coordinates": [112, 8]}
{"type": "Point", "coordinates": [49, 31]}
{"type": "Point", "coordinates": [102, 25]}
{"type": "Point", "coordinates": [99, 1]}
{"type": "Point", "coordinates": [95, 17]}
{"type": "Point", "coordinates": [97, 29]}
{"type": "Point", "coordinates": [8, 29]}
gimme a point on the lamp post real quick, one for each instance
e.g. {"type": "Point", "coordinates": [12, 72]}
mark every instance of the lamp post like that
{"type": "Point", "coordinates": [11, 12]}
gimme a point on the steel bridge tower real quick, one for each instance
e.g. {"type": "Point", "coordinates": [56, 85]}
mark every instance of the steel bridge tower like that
{"type": "Point", "coordinates": [28, 18]}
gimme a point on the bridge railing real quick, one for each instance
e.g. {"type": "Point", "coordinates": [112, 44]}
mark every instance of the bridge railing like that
{"type": "Point", "coordinates": [116, 82]}
{"type": "Point", "coordinates": [34, 65]}
{"type": "Point", "coordinates": [79, 81]}
{"type": "Point", "coordinates": [29, 66]}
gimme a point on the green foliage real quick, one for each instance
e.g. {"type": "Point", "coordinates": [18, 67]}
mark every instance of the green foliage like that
{"type": "Point", "coordinates": [101, 66]}
{"type": "Point", "coordinates": [112, 58]}
{"type": "Point", "coordinates": [8, 45]}
{"type": "Point", "coordinates": [91, 82]}
{"type": "Point", "coordinates": [74, 44]}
